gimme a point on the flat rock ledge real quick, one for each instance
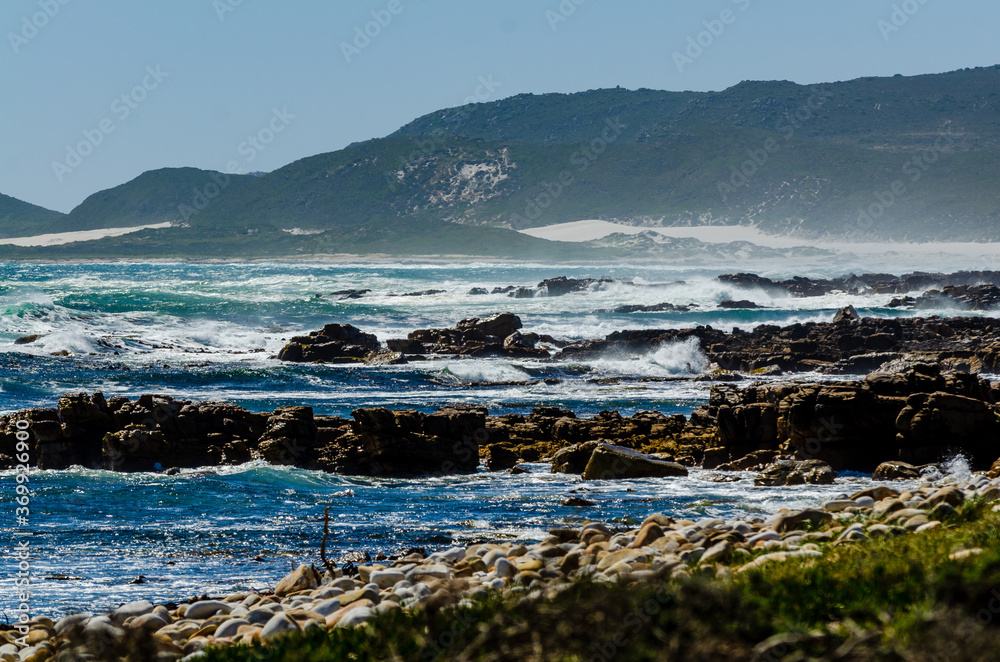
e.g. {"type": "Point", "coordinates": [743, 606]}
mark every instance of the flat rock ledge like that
{"type": "Point", "coordinates": [661, 549]}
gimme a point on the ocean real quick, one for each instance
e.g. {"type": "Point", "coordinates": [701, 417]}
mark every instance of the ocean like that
{"type": "Point", "coordinates": [212, 331]}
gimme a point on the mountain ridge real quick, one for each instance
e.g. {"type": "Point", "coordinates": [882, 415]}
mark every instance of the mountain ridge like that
{"type": "Point", "coordinates": [887, 159]}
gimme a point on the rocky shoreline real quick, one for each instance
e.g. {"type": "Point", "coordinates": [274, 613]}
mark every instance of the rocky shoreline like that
{"type": "Point", "coordinates": [662, 550]}
{"type": "Point", "coordinates": [849, 345]}
{"type": "Point", "coordinates": [890, 423]}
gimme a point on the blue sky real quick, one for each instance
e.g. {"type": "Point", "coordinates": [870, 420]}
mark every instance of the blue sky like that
{"type": "Point", "coordinates": [146, 84]}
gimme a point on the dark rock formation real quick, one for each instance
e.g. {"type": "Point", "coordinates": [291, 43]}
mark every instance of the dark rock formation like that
{"type": "Point", "coordinates": [736, 305]}
{"type": "Point", "coordinates": [918, 416]}
{"type": "Point", "coordinates": [157, 432]}
{"type": "Point", "coordinates": [556, 287]}
{"type": "Point", "coordinates": [423, 293]}
{"type": "Point", "coordinates": [334, 343]}
{"type": "Point", "coordinates": [383, 442]}
{"type": "Point", "coordinates": [970, 297]}
{"type": "Point", "coordinates": [499, 458]}
{"type": "Point", "coordinates": [343, 295]}
{"type": "Point", "coordinates": [974, 288]}
{"type": "Point", "coordinates": [290, 437]}
{"type": "Point", "coordinates": [895, 470]}
{"type": "Point", "coordinates": [496, 335]}
{"type": "Point", "coordinates": [547, 430]}
{"type": "Point", "coordinates": [846, 347]}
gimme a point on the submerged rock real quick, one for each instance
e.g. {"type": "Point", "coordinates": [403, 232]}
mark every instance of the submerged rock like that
{"type": "Point", "coordinates": [791, 472]}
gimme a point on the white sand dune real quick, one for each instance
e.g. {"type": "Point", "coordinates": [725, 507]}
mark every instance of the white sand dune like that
{"type": "Point", "coordinates": [710, 234]}
{"type": "Point", "coordinates": [58, 238]}
{"type": "Point", "coordinates": [588, 230]}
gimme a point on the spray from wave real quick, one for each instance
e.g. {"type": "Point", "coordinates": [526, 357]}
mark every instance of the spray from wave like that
{"type": "Point", "coordinates": [953, 470]}
{"type": "Point", "coordinates": [481, 372]}
{"type": "Point", "coordinates": [676, 359]}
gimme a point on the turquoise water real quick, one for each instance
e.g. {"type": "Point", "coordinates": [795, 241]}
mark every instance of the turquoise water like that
{"type": "Point", "coordinates": [210, 332]}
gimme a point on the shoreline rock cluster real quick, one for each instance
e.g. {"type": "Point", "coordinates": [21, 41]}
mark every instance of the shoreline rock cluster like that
{"type": "Point", "coordinates": [495, 335]}
{"type": "Point", "coordinates": [888, 423]}
{"type": "Point", "coordinates": [848, 345]}
{"type": "Point", "coordinates": [662, 548]}
{"type": "Point", "coordinates": [851, 346]}
{"type": "Point", "coordinates": [962, 287]}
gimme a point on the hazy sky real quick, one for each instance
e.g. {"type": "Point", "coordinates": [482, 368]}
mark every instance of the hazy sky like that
{"type": "Point", "coordinates": [94, 93]}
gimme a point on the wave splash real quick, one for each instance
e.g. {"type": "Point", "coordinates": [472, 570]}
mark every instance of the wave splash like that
{"type": "Point", "coordinates": [677, 359]}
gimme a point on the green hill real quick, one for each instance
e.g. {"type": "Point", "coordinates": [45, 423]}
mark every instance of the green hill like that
{"type": "Point", "coordinates": [22, 219]}
{"type": "Point", "coordinates": [901, 158]}
{"type": "Point", "coordinates": [897, 112]}
{"type": "Point", "coordinates": [156, 196]}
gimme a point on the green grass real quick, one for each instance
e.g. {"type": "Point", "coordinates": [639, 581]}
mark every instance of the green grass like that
{"type": "Point", "coordinates": [890, 599]}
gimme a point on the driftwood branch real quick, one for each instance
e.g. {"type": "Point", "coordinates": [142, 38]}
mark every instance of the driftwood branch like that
{"type": "Point", "coordinates": [329, 565]}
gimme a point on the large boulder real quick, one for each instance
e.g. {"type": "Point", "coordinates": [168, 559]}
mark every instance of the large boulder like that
{"type": "Point", "coordinates": [846, 314]}
{"type": "Point", "coordinates": [573, 459]}
{"type": "Point", "coordinates": [497, 326]}
{"type": "Point", "coordinates": [495, 335]}
{"type": "Point", "coordinates": [334, 343]}
{"type": "Point", "coordinates": [609, 462]}
{"type": "Point", "coordinates": [896, 470]}
{"type": "Point", "coordinates": [845, 425]}
{"type": "Point", "coordinates": [933, 425]}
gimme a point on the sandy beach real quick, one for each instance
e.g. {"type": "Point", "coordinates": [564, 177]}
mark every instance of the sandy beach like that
{"type": "Point", "coordinates": [58, 238]}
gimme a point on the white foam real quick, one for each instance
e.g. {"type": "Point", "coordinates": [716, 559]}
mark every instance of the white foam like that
{"type": "Point", "coordinates": [483, 371]}
{"type": "Point", "coordinates": [953, 470]}
{"type": "Point", "coordinates": [674, 359]}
